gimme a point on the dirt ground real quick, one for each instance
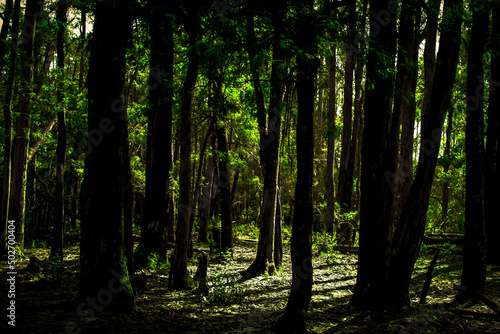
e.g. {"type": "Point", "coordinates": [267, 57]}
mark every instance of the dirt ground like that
{"type": "Point", "coordinates": [43, 299]}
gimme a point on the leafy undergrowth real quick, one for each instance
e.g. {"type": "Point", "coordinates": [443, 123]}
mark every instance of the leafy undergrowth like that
{"type": "Point", "coordinates": [44, 293]}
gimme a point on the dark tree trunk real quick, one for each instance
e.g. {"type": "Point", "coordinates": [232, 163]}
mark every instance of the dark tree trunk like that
{"type": "Point", "coordinates": [204, 208]}
{"type": "Point", "coordinates": [58, 231]}
{"type": "Point", "coordinates": [411, 223]}
{"type": "Point", "coordinates": [21, 138]}
{"type": "Point", "coordinates": [81, 81]}
{"type": "Point", "coordinates": [103, 260]}
{"type": "Point", "coordinates": [446, 184]}
{"type": "Point", "coordinates": [270, 131]}
{"type": "Point", "coordinates": [377, 162]}
{"type": "Point", "coordinates": [179, 273]}
{"type": "Point", "coordinates": [154, 224]}
{"type": "Point", "coordinates": [7, 14]}
{"type": "Point", "coordinates": [278, 233]}
{"type": "Point", "coordinates": [225, 190]}
{"type": "Point", "coordinates": [474, 268]}
{"type": "Point", "coordinates": [492, 176]}
{"type": "Point", "coordinates": [404, 102]}
{"type": "Point", "coordinates": [9, 84]}
{"type": "Point", "coordinates": [346, 167]}
{"type": "Point", "coordinates": [430, 55]}
{"type": "Point", "coordinates": [330, 155]}
{"type": "Point", "coordinates": [294, 317]}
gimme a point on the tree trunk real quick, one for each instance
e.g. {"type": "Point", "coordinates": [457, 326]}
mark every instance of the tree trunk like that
{"type": "Point", "coordinates": [278, 234]}
{"type": "Point", "coordinates": [492, 177]}
{"type": "Point", "coordinates": [411, 223]}
{"type": "Point", "coordinates": [404, 102]}
{"type": "Point", "coordinates": [21, 138]}
{"type": "Point", "coordinates": [204, 208]}
{"type": "Point", "coordinates": [446, 184]}
{"type": "Point", "coordinates": [270, 131]}
{"type": "Point", "coordinates": [4, 209]}
{"type": "Point", "coordinates": [330, 155]}
{"type": "Point", "coordinates": [474, 267]}
{"type": "Point", "coordinates": [103, 261]}
{"type": "Point", "coordinates": [294, 317]}
{"type": "Point", "coordinates": [377, 161]}
{"type": "Point", "coordinates": [180, 276]}
{"type": "Point", "coordinates": [346, 168]}
{"type": "Point", "coordinates": [430, 56]}
{"type": "Point", "coordinates": [58, 231]}
{"type": "Point", "coordinates": [154, 224]}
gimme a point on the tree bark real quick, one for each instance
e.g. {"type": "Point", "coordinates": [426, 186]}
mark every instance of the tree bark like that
{"type": "Point", "coordinates": [346, 167]}
{"type": "Point", "coordinates": [294, 317]}
{"type": "Point", "coordinates": [411, 223]}
{"type": "Point", "coordinates": [270, 131]}
{"type": "Point", "coordinates": [6, 185]}
{"type": "Point", "coordinates": [154, 224]}
{"type": "Point", "coordinates": [446, 184]}
{"type": "Point", "coordinates": [330, 155]}
{"type": "Point", "coordinates": [404, 102]}
{"type": "Point", "coordinates": [103, 260]}
{"type": "Point", "coordinates": [378, 161]}
{"type": "Point", "coordinates": [58, 231]}
{"type": "Point", "coordinates": [180, 276]}
{"type": "Point", "coordinates": [21, 138]}
{"type": "Point", "coordinates": [474, 266]}
{"type": "Point", "coordinates": [492, 176]}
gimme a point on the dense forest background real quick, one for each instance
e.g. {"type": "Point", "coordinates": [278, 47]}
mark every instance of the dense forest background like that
{"type": "Point", "coordinates": [160, 136]}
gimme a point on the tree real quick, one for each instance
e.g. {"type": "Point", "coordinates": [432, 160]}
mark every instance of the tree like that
{"type": "Point", "coordinates": [179, 273]}
{"type": "Point", "coordinates": [159, 152]}
{"type": "Point", "coordinates": [21, 138]}
{"type": "Point", "coordinates": [378, 160]}
{"type": "Point", "coordinates": [4, 209]}
{"type": "Point", "coordinates": [103, 261]}
{"type": "Point", "coordinates": [58, 232]}
{"type": "Point", "coordinates": [411, 223]}
{"type": "Point", "coordinates": [294, 318]}
{"type": "Point", "coordinates": [345, 233]}
{"type": "Point", "coordinates": [492, 158]}
{"type": "Point", "coordinates": [474, 268]}
{"type": "Point", "coordinates": [404, 100]}
{"type": "Point", "coordinates": [270, 131]}
{"type": "Point", "coordinates": [330, 156]}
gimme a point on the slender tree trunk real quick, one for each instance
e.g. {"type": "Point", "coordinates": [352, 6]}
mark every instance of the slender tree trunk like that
{"type": "Point", "coordinates": [154, 225]}
{"type": "Point", "coordinates": [21, 138]}
{"type": "Point", "coordinates": [346, 168]}
{"type": "Point", "coordinates": [294, 317]}
{"type": "Point", "coordinates": [377, 161]}
{"type": "Point", "coordinates": [179, 273]}
{"type": "Point", "coordinates": [278, 233]}
{"type": "Point", "coordinates": [204, 208]}
{"type": "Point", "coordinates": [474, 268]}
{"type": "Point", "coordinates": [4, 209]}
{"type": "Point", "coordinates": [270, 131]}
{"type": "Point", "coordinates": [330, 156]}
{"type": "Point", "coordinates": [492, 176]}
{"type": "Point", "coordinates": [411, 223]}
{"type": "Point", "coordinates": [83, 36]}
{"type": "Point", "coordinates": [404, 102]}
{"type": "Point", "coordinates": [225, 191]}
{"type": "Point", "coordinates": [446, 184]}
{"type": "Point", "coordinates": [430, 55]}
{"type": "Point", "coordinates": [7, 14]}
{"type": "Point", "coordinates": [102, 251]}
{"type": "Point", "coordinates": [58, 231]}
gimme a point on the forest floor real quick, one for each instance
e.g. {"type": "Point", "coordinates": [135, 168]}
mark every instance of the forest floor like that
{"type": "Point", "coordinates": [43, 299]}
